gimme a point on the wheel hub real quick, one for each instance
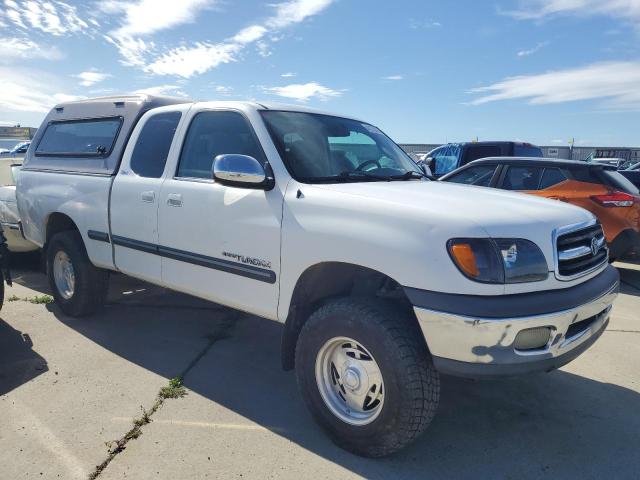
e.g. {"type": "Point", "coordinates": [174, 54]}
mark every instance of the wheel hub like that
{"type": "Point", "coordinates": [64, 275]}
{"type": "Point", "coordinates": [352, 378]}
{"type": "Point", "coordinates": [350, 381]}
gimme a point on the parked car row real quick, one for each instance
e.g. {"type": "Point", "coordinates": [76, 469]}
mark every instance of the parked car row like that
{"type": "Point", "coordinates": [18, 151]}
{"type": "Point", "coordinates": [596, 187]}
{"type": "Point", "coordinates": [447, 158]}
{"type": "Point", "coordinates": [383, 279]}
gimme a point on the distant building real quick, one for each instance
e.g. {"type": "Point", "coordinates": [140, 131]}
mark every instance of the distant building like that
{"type": "Point", "coordinates": [19, 133]}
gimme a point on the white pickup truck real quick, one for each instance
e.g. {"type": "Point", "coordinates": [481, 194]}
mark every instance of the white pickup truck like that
{"type": "Point", "coordinates": [382, 279]}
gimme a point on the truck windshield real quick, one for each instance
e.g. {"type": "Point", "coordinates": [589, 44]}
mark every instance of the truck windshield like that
{"type": "Point", "coordinates": [325, 149]}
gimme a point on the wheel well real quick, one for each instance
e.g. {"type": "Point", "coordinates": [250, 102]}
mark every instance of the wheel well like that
{"type": "Point", "coordinates": [59, 222]}
{"type": "Point", "coordinates": [325, 281]}
{"type": "Point", "coordinates": [56, 223]}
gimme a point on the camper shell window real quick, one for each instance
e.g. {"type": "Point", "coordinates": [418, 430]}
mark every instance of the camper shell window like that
{"type": "Point", "coordinates": [93, 137]}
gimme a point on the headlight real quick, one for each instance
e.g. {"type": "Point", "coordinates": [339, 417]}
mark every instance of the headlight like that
{"type": "Point", "coordinates": [501, 260]}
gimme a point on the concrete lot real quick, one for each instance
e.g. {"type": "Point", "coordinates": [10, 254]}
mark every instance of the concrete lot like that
{"type": "Point", "coordinates": [70, 387]}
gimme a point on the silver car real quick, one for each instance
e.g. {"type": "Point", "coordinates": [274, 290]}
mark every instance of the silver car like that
{"type": "Point", "coordinates": [9, 216]}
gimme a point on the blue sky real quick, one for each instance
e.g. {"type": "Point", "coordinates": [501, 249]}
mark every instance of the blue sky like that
{"type": "Point", "coordinates": [424, 71]}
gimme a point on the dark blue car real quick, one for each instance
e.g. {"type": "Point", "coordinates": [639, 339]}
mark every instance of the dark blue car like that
{"type": "Point", "coordinates": [448, 157]}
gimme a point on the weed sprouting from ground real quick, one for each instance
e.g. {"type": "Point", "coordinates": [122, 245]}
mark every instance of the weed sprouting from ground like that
{"type": "Point", "coordinates": [13, 298]}
{"type": "Point", "coordinates": [40, 299]}
{"type": "Point", "coordinates": [175, 389]}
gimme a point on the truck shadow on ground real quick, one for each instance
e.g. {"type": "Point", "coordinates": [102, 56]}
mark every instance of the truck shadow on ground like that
{"type": "Point", "coordinates": [556, 424]}
{"type": "Point", "coordinates": [630, 281]}
{"type": "Point", "coordinates": [19, 363]}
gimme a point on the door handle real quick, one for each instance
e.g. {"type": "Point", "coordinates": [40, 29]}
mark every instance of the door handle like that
{"type": "Point", "coordinates": [148, 197]}
{"type": "Point", "coordinates": [174, 200]}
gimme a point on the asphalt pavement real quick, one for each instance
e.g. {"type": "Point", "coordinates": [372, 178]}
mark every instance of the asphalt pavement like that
{"type": "Point", "coordinates": [72, 389]}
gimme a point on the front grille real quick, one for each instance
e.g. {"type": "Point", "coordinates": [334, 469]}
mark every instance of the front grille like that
{"type": "Point", "coordinates": [581, 251]}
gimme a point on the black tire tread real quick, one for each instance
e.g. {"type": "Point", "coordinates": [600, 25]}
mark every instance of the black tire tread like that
{"type": "Point", "coordinates": [422, 388]}
{"type": "Point", "coordinates": [92, 283]}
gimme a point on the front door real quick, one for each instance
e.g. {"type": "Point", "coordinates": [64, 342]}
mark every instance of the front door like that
{"type": "Point", "coordinates": [135, 196]}
{"type": "Point", "coordinates": [218, 242]}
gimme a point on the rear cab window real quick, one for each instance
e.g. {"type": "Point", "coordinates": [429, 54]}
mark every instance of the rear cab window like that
{"type": "Point", "coordinates": [526, 150]}
{"type": "Point", "coordinates": [474, 152]}
{"type": "Point", "coordinates": [152, 147]}
{"type": "Point", "coordinates": [79, 138]}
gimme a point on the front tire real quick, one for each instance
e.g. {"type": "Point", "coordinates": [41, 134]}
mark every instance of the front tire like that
{"type": "Point", "coordinates": [366, 375]}
{"type": "Point", "coordinates": [78, 287]}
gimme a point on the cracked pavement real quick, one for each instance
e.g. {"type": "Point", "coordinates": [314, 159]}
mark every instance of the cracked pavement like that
{"type": "Point", "coordinates": [68, 387]}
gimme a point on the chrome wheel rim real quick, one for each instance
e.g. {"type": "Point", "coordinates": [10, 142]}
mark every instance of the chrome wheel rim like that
{"type": "Point", "coordinates": [64, 275]}
{"type": "Point", "coordinates": [350, 381]}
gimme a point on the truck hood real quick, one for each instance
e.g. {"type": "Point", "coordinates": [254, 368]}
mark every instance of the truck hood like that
{"type": "Point", "coordinates": [499, 213]}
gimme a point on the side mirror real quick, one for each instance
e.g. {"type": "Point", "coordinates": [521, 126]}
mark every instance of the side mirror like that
{"type": "Point", "coordinates": [241, 171]}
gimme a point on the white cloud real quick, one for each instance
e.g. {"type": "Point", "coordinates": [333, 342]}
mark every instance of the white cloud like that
{"type": "Point", "coordinates": [295, 11]}
{"type": "Point", "coordinates": [263, 49]}
{"type": "Point", "coordinates": [188, 61]}
{"type": "Point", "coordinates": [52, 17]}
{"type": "Point", "coordinates": [393, 77]}
{"type": "Point", "coordinates": [249, 34]}
{"type": "Point", "coordinates": [304, 92]}
{"type": "Point", "coordinates": [29, 91]}
{"type": "Point", "coordinates": [143, 18]}
{"type": "Point", "coordinates": [288, 75]}
{"type": "Point", "coordinates": [531, 51]}
{"type": "Point", "coordinates": [91, 77]}
{"type": "Point", "coordinates": [617, 83]}
{"type": "Point", "coordinates": [132, 50]}
{"type": "Point", "coordinates": [23, 48]}
{"type": "Point", "coordinates": [415, 24]}
{"type": "Point", "coordinates": [537, 9]}
{"type": "Point", "coordinates": [173, 90]}
{"type": "Point", "coordinates": [223, 90]}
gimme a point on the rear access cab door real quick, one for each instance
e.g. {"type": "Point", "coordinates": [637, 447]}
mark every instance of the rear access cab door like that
{"type": "Point", "coordinates": [136, 190]}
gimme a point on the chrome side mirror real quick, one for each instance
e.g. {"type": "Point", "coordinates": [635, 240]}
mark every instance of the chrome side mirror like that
{"type": "Point", "coordinates": [241, 171]}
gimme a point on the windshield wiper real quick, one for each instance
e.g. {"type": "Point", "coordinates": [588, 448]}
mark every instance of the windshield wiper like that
{"type": "Point", "coordinates": [411, 174]}
{"type": "Point", "coordinates": [355, 175]}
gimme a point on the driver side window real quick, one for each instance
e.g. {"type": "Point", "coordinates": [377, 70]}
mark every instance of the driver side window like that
{"type": "Point", "coordinates": [215, 133]}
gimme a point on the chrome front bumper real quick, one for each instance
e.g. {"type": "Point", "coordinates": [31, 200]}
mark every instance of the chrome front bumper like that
{"type": "Point", "coordinates": [473, 347]}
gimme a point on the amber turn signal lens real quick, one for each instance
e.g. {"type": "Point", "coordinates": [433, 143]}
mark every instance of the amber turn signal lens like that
{"type": "Point", "coordinates": [465, 258]}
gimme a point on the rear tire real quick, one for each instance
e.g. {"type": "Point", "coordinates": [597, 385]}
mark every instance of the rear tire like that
{"type": "Point", "coordinates": [354, 337]}
{"type": "Point", "coordinates": [78, 287]}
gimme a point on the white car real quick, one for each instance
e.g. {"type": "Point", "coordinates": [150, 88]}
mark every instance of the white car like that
{"type": "Point", "coordinates": [18, 151]}
{"type": "Point", "coordinates": [383, 280]}
{"type": "Point", "coordinates": [9, 216]}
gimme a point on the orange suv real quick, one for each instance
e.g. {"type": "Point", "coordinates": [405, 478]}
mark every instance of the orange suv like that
{"type": "Point", "coordinates": [613, 199]}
